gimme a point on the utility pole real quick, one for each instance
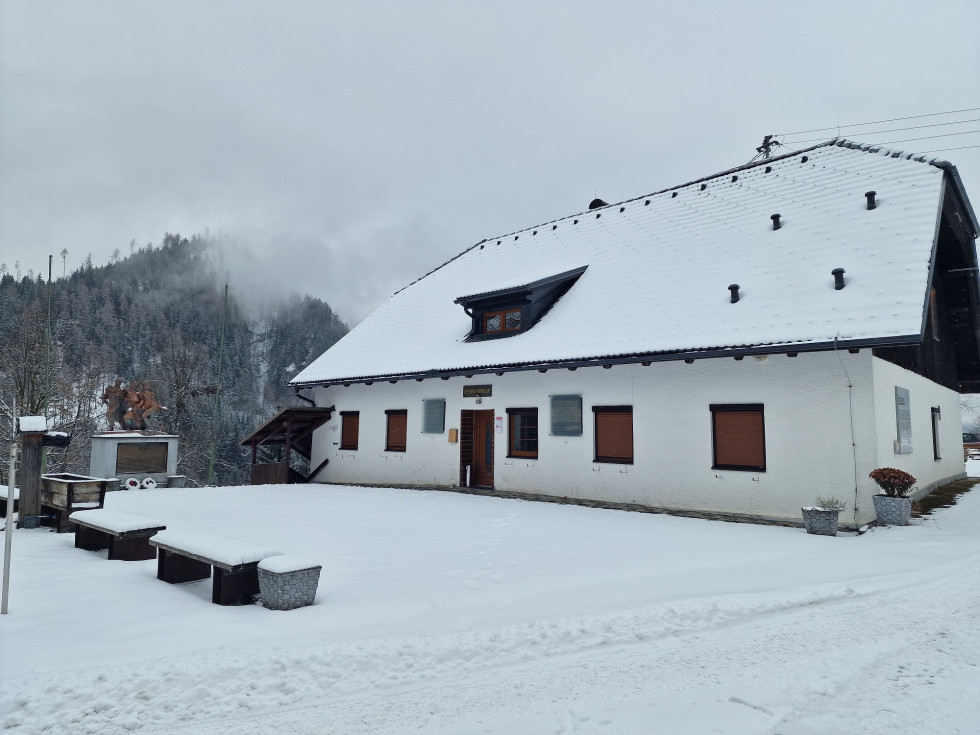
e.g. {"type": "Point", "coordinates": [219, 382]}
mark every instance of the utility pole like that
{"type": "Point", "coordinates": [47, 371]}
{"type": "Point", "coordinates": [217, 403]}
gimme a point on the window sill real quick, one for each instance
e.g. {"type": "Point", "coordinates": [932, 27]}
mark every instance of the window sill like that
{"type": "Point", "coordinates": [394, 449]}
{"type": "Point", "coordinates": [612, 460]}
{"type": "Point", "coordinates": [737, 468]}
{"type": "Point", "coordinates": [522, 456]}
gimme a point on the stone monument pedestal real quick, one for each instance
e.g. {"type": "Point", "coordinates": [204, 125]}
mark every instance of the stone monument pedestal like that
{"type": "Point", "coordinates": [134, 454]}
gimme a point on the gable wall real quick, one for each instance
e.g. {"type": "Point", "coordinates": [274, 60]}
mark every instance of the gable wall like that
{"type": "Point", "coordinates": [807, 425]}
{"type": "Point", "coordinates": [923, 395]}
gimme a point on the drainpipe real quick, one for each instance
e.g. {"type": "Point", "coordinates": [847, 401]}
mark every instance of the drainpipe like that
{"type": "Point", "coordinates": [850, 409]}
{"type": "Point", "coordinates": [296, 391]}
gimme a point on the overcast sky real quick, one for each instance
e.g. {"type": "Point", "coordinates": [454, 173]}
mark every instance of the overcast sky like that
{"type": "Point", "coordinates": [342, 149]}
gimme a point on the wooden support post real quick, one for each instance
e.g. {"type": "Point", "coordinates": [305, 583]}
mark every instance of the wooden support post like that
{"type": "Point", "coordinates": [289, 444]}
{"type": "Point", "coordinates": [30, 479]}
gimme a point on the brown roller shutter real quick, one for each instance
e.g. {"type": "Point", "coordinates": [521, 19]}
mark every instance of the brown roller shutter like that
{"type": "Point", "coordinates": [613, 433]}
{"type": "Point", "coordinates": [739, 437]}
{"type": "Point", "coordinates": [350, 426]}
{"type": "Point", "coordinates": [397, 430]}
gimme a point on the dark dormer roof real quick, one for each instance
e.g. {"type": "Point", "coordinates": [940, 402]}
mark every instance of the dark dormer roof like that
{"type": "Point", "coordinates": [533, 299]}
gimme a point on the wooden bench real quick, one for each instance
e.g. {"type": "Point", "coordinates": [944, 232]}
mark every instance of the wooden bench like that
{"type": "Point", "coordinates": [185, 556]}
{"type": "Point", "coordinates": [3, 500]}
{"type": "Point", "coordinates": [125, 536]}
{"type": "Point", "coordinates": [64, 493]}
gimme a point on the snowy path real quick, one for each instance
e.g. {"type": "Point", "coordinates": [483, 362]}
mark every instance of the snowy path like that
{"type": "Point", "coordinates": [876, 645]}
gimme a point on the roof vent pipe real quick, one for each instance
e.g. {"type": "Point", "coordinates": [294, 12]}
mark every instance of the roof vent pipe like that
{"type": "Point", "coordinates": [872, 204]}
{"type": "Point", "coordinates": [838, 274]}
{"type": "Point", "coordinates": [776, 224]}
{"type": "Point", "coordinates": [734, 289]}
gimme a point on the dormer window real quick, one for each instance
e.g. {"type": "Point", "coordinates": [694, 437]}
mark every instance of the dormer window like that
{"type": "Point", "coordinates": [510, 311]}
{"type": "Point", "coordinates": [502, 321]}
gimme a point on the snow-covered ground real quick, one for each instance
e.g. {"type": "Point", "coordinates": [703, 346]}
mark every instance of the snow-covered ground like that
{"type": "Point", "coordinates": [459, 614]}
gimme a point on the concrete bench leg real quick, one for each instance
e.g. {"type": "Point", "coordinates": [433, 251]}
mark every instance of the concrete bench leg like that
{"type": "Point", "coordinates": [131, 549]}
{"type": "Point", "coordinates": [174, 568]}
{"type": "Point", "coordinates": [235, 588]}
{"type": "Point", "coordinates": [91, 540]}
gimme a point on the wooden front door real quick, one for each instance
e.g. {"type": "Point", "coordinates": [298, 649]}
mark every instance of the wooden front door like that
{"type": "Point", "coordinates": [482, 471]}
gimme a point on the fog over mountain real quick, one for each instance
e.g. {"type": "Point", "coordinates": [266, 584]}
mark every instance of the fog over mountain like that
{"type": "Point", "coordinates": [347, 148]}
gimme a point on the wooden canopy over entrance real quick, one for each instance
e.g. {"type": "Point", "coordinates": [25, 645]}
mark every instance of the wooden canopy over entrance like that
{"type": "Point", "coordinates": [293, 429]}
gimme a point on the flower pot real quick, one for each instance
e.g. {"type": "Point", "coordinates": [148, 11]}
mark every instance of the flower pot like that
{"type": "Point", "coordinates": [892, 511]}
{"type": "Point", "coordinates": [820, 521]}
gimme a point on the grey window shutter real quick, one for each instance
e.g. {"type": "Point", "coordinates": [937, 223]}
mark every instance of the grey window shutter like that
{"type": "Point", "coordinates": [433, 415]}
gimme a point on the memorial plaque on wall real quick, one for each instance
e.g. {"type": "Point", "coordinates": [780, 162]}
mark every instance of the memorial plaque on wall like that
{"type": "Point", "coordinates": [566, 415]}
{"type": "Point", "coordinates": [141, 457]}
{"type": "Point", "coordinates": [903, 420]}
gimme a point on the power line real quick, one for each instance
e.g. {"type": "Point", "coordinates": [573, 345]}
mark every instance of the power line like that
{"type": "Point", "coordinates": [878, 122]}
{"type": "Point", "coordinates": [895, 130]}
{"type": "Point", "coordinates": [943, 150]}
{"type": "Point", "coordinates": [929, 137]}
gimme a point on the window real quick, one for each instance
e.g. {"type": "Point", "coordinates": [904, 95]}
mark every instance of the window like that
{"type": "Point", "coordinates": [936, 416]}
{"type": "Point", "coordinates": [349, 425]}
{"type": "Point", "coordinates": [523, 432]}
{"type": "Point", "coordinates": [397, 430]}
{"type": "Point", "coordinates": [433, 415]}
{"type": "Point", "coordinates": [613, 434]}
{"type": "Point", "coordinates": [738, 437]}
{"type": "Point", "coordinates": [566, 415]}
{"type": "Point", "coordinates": [508, 320]}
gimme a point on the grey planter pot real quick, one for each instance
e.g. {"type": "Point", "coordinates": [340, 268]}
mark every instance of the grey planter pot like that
{"type": "Point", "coordinates": [893, 511]}
{"type": "Point", "coordinates": [819, 521]}
{"type": "Point", "coordinates": [286, 583]}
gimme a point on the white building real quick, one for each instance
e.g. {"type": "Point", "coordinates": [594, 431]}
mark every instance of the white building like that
{"type": "Point", "coordinates": [739, 344]}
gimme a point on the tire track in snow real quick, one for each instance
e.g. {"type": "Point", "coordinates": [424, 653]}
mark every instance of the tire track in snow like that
{"type": "Point", "coordinates": [222, 686]}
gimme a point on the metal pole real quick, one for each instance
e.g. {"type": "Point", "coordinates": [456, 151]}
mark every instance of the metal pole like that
{"type": "Point", "coordinates": [47, 361]}
{"type": "Point", "coordinates": [9, 528]}
{"type": "Point", "coordinates": [47, 373]}
{"type": "Point", "coordinates": [217, 403]}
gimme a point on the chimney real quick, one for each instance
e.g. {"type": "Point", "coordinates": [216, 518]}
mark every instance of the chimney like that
{"type": "Point", "coordinates": [776, 224]}
{"type": "Point", "coordinates": [870, 195]}
{"type": "Point", "coordinates": [734, 289]}
{"type": "Point", "coordinates": [838, 274]}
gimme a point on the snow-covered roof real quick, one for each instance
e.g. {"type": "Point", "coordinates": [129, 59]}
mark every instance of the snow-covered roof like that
{"type": "Point", "coordinates": [660, 267]}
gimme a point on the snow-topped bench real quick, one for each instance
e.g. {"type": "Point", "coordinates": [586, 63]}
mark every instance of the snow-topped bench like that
{"type": "Point", "coordinates": [126, 536]}
{"type": "Point", "coordinates": [3, 499]}
{"type": "Point", "coordinates": [184, 556]}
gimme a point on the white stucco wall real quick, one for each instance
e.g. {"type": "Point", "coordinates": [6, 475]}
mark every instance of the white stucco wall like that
{"type": "Point", "coordinates": [808, 418]}
{"type": "Point", "coordinates": [923, 396]}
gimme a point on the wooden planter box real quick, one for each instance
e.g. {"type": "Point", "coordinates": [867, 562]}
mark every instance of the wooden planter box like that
{"type": "Point", "coordinates": [64, 493]}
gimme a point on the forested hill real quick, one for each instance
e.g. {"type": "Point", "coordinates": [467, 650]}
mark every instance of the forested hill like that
{"type": "Point", "coordinates": [156, 316]}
